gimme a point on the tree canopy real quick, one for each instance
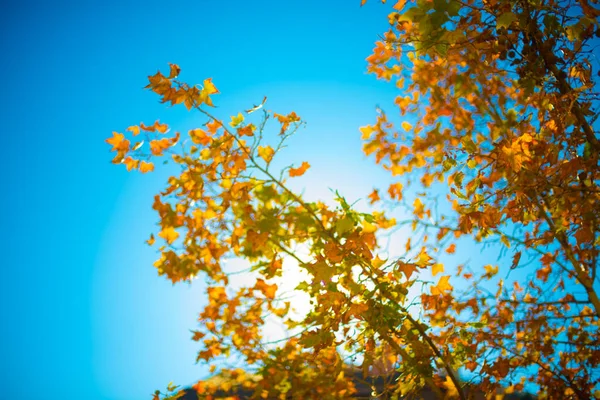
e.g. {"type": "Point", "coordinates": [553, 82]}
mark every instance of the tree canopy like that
{"type": "Point", "coordinates": [494, 140]}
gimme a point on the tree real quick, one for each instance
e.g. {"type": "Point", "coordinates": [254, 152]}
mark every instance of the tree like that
{"type": "Point", "coordinates": [501, 105]}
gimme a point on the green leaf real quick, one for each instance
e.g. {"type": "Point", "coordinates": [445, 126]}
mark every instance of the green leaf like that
{"type": "Point", "coordinates": [505, 20]}
{"type": "Point", "coordinates": [344, 225]}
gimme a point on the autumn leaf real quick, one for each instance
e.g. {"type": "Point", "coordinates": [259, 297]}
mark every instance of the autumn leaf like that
{"type": "Point", "coordinates": [374, 196]}
{"type": "Point", "coordinates": [200, 136]}
{"type": "Point", "coordinates": [407, 268]}
{"type": "Point", "coordinates": [268, 290]}
{"type": "Point", "coordinates": [169, 234]}
{"type": "Point", "coordinates": [437, 268]}
{"type": "Point", "coordinates": [451, 249]}
{"type": "Point", "coordinates": [118, 142]}
{"type": "Point", "coordinates": [247, 130]}
{"type": "Point", "coordinates": [131, 163]}
{"type": "Point", "coordinates": [406, 126]}
{"type": "Point", "coordinates": [151, 240]}
{"type": "Point", "coordinates": [377, 262]}
{"type": "Point", "coordinates": [266, 153]}
{"type": "Point", "coordinates": [210, 87]}
{"type": "Point", "coordinates": [174, 71]}
{"type": "Point", "coordinates": [442, 286]}
{"type": "Point", "coordinates": [236, 120]}
{"type": "Point", "coordinates": [146, 167]}
{"type": "Point", "coordinates": [134, 129]}
{"type": "Point", "coordinates": [300, 170]}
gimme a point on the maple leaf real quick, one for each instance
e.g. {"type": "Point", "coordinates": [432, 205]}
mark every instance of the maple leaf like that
{"type": "Point", "coordinates": [407, 268]}
{"type": "Point", "coordinates": [200, 136]}
{"type": "Point", "coordinates": [377, 262]}
{"type": "Point", "coordinates": [146, 167]}
{"type": "Point", "coordinates": [236, 120]}
{"type": "Point", "coordinates": [395, 191]}
{"type": "Point", "coordinates": [130, 163]}
{"type": "Point", "coordinates": [174, 71]}
{"type": "Point", "coordinates": [451, 249]}
{"type": "Point", "coordinates": [419, 208]}
{"type": "Point", "coordinates": [374, 196]}
{"type": "Point", "coordinates": [300, 170]}
{"type": "Point", "coordinates": [210, 87]}
{"type": "Point", "coordinates": [442, 286]}
{"type": "Point", "coordinates": [247, 130]}
{"type": "Point", "coordinates": [134, 129]}
{"type": "Point", "coordinates": [266, 153]}
{"type": "Point", "coordinates": [169, 234]}
{"type": "Point", "coordinates": [118, 142]}
{"type": "Point", "coordinates": [151, 240]}
{"type": "Point", "coordinates": [268, 290]}
{"type": "Point", "coordinates": [437, 268]}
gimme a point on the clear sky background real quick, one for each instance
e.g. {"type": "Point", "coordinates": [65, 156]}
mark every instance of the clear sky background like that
{"type": "Point", "coordinates": [84, 315]}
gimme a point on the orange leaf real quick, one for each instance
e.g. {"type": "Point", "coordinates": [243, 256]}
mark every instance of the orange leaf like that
{"type": "Point", "coordinates": [407, 268]}
{"type": "Point", "coordinates": [266, 289]}
{"type": "Point", "coordinates": [118, 142]}
{"type": "Point", "coordinates": [134, 129]}
{"type": "Point", "coordinates": [200, 137]}
{"type": "Point", "coordinates": [174, 71]}
{"type": "Point", "coordinates": [151, 240]}
{"type": "Point", "coordinates": [130, 163]}
{"type": "Point", "coordinates": [374, 196]}
{"type": "Point", "coordinates": [162, 128]}
{"type": "Point", "coordinates": [451, 249]}
{"type": "Point", "coordinates": [146, 167]}
{"type": "Point", "coordinates": [300, 170]}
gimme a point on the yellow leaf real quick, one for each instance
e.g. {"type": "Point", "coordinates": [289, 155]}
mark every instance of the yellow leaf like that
{"type": "Point", "coordinates": [151, 240]}
{"type": "Point", "coordinates": [399, 5]}
{"type": "Point", "coordinates": [169, 234]}
{"type": "Point", "coordinates": [442, 286]}
{"type": "Point", "coordinates": [368, 227]}
{"type": "Point", "coordinates": [452, 391]}
{"type": "Point", "coordinates": [300, 170]}
{"type": "Point", "coordinates": [210, 87]}
{"type": "Point", "coordinates": [366, 131]}
{"type": "Point", "coordinates": [377, 262]}
{"type": "Point", "coordinates": [406, 126]}
{"type": "Point", "coordinates": [419, 208]}
{"type": "Point", "coordinates": [437, 268]}
{"type": "Point", "coordinates": [236, 120]}
{"type": "Point", "coordinates": [266, 153]}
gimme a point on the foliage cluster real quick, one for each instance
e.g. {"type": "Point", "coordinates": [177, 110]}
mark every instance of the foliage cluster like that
{"type": "Point", "coordinates": [499, 107]}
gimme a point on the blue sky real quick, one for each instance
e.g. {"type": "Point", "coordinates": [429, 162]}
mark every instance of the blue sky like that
{"type": "Point", "coordinates": [84, 313]}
